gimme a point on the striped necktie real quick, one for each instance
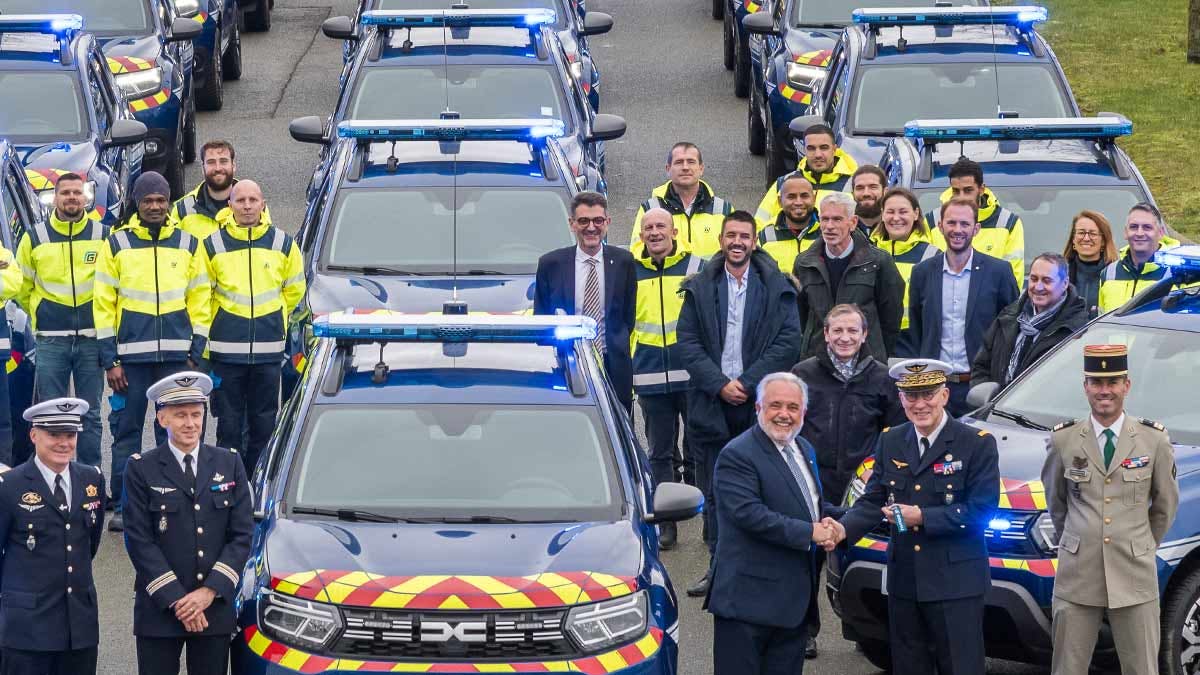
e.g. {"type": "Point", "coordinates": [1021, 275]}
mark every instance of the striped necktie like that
{"type": "Point", "coordinates": [591, 301]}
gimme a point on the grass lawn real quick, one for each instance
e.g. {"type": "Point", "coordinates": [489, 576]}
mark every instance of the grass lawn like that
{"type": "Point", "coordinates": [1128, 56]}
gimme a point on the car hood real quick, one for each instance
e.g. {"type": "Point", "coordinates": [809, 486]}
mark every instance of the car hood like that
{"type": "Point", "coordinates": [812, 47]}
{"type": "Point", "coordinates": [441, 566]}
{"type": "Point", "coordinates": [500, 293]}
{"type": "Point", "coordinates": [53, 159]}
{"type": "Point", "coordinates": [140, 48]}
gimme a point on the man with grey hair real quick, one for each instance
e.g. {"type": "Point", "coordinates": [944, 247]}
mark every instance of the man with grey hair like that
{"type": "Point", "coordinates": [845, 268]}
{"type": "Point", "coordinates": [764, 589]}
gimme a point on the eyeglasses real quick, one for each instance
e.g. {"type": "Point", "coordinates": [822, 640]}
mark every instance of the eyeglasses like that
{"type": "Point", "coordinates": [598, 220]}
{"type": "Point", "coordinates": [914, 396]}
{"type": "Point", "coordinates": [1084, 234]}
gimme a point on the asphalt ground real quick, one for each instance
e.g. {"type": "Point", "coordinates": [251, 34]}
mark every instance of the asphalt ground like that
{"type": "Point", "coordinates": [661, 70]}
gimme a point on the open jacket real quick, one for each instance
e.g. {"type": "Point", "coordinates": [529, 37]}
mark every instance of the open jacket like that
{"type": "Point", "coordinates": [991, 363]}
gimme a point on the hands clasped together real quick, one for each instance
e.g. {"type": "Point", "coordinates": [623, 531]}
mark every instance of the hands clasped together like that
{"type": "Point", "coordinates": [828, 533]}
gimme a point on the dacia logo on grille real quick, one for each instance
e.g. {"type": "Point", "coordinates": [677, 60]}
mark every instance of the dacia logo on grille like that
{"type": "Point", "coordinates": [445, 631]}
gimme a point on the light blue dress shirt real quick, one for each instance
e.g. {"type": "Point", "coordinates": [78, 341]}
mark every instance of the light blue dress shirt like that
{"type": "Point", "coordinates": [731, 355]}
{"type": "Point", "coordinates": [955, 290]}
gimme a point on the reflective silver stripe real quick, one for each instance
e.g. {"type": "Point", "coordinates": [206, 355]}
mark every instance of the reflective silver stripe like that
{"type": "Point", "coordinates": [43, 235]}
{"type": "Point", "coordinates": [97, 230]}
{"type": "Point", "coordinates": [27, 270]}
{"type": "Point", "coordinates": [202, 331]}
{"type": "Point", "coordinates": [85, 332]}
{"type": "Point", "coordinates": [160, 583]}
{"type": "Point", "coordinates": [227, 571]}
{"type": "Point", "coordinates": [217, 243]}
{"type": "Point", "coordinates": [105, 279]}
{"type": "Point", "coordinates": [63, 289]}
{"type": "Point", "coordinates": [123, 242]}
{"type": "Point", "coordinates": [294, 279]}
{"type": "Point", "coordinates": [245, 347]}
{"type": "Point", "coordinates": [5, 343]}
{"type": "Point", "coordinates": [265, 296]}
{"type": "Point", "coordinates": [185, 241]}
{"type": "Point", "coordinates": [655, 328]}
{"type": "Point", "coordinates": [105, 333]}
{"type": "Point", "coordinates": [148, 346]}
{"type": "Point", "coordinates": [277, 242]}
{"type": "Point", "coordinates": [1015, 254]}
{"type": "Point", "coordinates": [1110, 272]}
{"type": "Point", "coordinates": [197, 281]}
{"type": "Point", "coordinates": [694, 265]}
{"type": "Point", "coordinates": [150, 296]}
{"type": "Point", "coordinates": [718, 206]}
{"type": "Point", "coordinates": [647, 379]}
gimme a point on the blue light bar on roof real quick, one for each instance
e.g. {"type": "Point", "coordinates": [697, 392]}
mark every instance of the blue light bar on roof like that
{"type": "Point", "coordinates": [389, 326]}
{"type": "Point", "coordinates": [1021, 15]}
{"type": "Point", "coordinates": [1018, 129]}
{"type": "Point", "coordinates": [1179, 258]}
{"type": "Point", "coordinates": [57, 24]}
{"type": "Point", "coordinates": [430, 18]}
{"type": "Point", "coordinates": [528, 130]}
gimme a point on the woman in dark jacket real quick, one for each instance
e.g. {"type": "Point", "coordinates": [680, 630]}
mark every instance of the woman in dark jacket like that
{"type": "Point", "coordinates": [1046, 314]}
{"type": "Point", "coordinates": [851, 400]}
{"type": "Point", "coordinates": [1089, 250]}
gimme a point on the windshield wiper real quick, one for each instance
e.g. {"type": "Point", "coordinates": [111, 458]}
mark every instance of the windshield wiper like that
{"type": "Point", "coordinates": [836, 26]}
{"type": "Point", "coordinates": [484, 518]}
{"type": "Point", "coordinates": [479, 273]}
{"type": "Point", "coordinates": [1019, 419]}
{"type": "Point", "coordinates": [378, 270]}
{"type": "Point", "coordinates": [352, 515]}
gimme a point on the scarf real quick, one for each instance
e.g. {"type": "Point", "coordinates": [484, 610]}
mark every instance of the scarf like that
{"type": "Point", "coordinates": [844, 368]}
{"type": "Point", "coordinates": [1030, 325]}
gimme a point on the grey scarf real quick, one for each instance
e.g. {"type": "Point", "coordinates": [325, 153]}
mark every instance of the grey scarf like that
{"type": "Point", "coordinates": [1031, 326]}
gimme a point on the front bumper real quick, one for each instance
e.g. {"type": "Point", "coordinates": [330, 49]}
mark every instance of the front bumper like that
{"type": "Point", "coordinates": [253, 653]}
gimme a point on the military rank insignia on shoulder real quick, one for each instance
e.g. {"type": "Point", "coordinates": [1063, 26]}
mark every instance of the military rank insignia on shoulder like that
{"type": "Point", "coordinates": [1152, 424]}
{"type": "Point", "coordinates": [136, 455]}
{"type": "Point", "coordinates": [1063, 425]}
{"type": "Point", "coordinates": [233, 450]}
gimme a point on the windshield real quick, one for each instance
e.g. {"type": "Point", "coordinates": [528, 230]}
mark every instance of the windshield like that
{"type": "Point", "coordinates": [100, 17]}
{"type": "Point", "coordinates": [474, 92]}
{"type": "Point", "coordinates": [502, 230]}
{"type": "Point", "coordinates": [41, 107]}
{"type": "Point", "coordinates": [1046, 212]}
{"type": "Point", "coordinates": [1163, 367]}
{"type": "Point", "coordinates": [560, 19]}
{"type": "Point", "coordinates": [889, 96]}
{"type": "Point", "coordinates": [837, 12]}
{"type": "Point", "coordinates": [523, 461]}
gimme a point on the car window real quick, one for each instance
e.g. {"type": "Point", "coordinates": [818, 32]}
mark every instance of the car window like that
{"type": "Point", "coordinates": [41, 106]}
{"type": "Point", "coordinates": [457, 460]}
{"type": "Point", "coordinates": [475, 92]}
{"type": "Point", "coordinates": [105, 18]}
{"type": "Point", "coordinates": [14, 209]}
{"type": "Point", "coordinates": [98, 99]}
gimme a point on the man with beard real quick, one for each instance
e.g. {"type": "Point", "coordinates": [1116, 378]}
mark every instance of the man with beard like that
{"type": "Point", "coordinates": [151, 309]}
{"type": "Point", "coordinates": [197, 210]}
{"type": "Point", "coordinates": [59, 265]}
{"type": "Point", "coordinates": [796, 227]}
{"type": "Point", "coordinates": [954, 297]}
{"type": "Point", "coordinates": [867, 185]}
{"type": "Point", "coordinates": [1001, 232]}
{"type": "Point", "coordinates": [738, 324]}
{"type": "Point", "coordinates": [824, 164]}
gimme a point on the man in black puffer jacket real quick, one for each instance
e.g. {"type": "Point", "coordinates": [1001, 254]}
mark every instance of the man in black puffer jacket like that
{"type": "Point", "coordinates": [738, 324]}
{"type": "Point", "coordinates": [1046, 314]}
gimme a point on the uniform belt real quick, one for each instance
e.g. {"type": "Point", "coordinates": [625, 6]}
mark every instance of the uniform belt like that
{"type": "Point", "coordinates": [958, 378]}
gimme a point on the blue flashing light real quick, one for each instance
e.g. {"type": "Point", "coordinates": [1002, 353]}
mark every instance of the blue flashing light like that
{"type": "Point", "coordinates": [1033, 128]}
{"type": "Point", "coordinates": [1180, 258]}
{"type": "Point", "coordinates": [528, 130]}
{"type": "Point", "coordinates": [389, 326]}
{"type": "Point", "coordinates": [58, 24]}
{"type": "Point", "coordinates": [430, 18]}
{"type": "Point", "coordinates": [1022, 16]}
{"type": "Point", "coordinates": [999, 524]}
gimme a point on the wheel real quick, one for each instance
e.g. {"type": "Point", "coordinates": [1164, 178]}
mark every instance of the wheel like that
{"type": "Point", "coordinates": [727, 41]}
{"type": "Point", "coordinates": [777, 164]}
{"type": "Point", "coordinates": [231, 61]}
{"type": "Point", "coordinates": [755, 131]}
{"type": "Point", "coordinates": [258, 19]}
{"type": "Point", "coordinates": [212, 95]}
{"type": "Point", "coordinates": [174, 169]}
{"type": "Point", "coordinates": [189, 135]}
{"type": "Point", "coordinates": [877, 653]}
{"type": "Point", "coordinates": [718, 9]}
{"type": "Point", "coordinates": [1180, 652]}
{"type": "Point", "coordinates": [741, 67]}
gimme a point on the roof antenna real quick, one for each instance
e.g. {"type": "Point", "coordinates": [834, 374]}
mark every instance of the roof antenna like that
{"type": "Point", "coordinates": [995, 58]}
{"type": "Point", "coordinates": [454, 306]}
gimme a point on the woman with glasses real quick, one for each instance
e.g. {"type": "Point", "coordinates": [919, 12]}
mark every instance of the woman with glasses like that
{"type": "Point", "coordinates": [1090, 248]}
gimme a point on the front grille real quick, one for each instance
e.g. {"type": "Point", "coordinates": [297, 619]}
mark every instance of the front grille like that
{"type": "Point", "coordinates": [1015, 542]}
{"type": "Point", "coordinates": [399, 634]}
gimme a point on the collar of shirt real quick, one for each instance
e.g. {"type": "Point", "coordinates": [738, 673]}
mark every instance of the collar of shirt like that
{"type": "Point", "coordinates": [739, 285]}
{"type": "Point", "coordinates": [179, 455]}
{"type": "Point", "coordinates": [966, 268]}
{"type": "Point", "coordinates": [581, 256]}
{"type": "Point", "coordinates": [936, 432]}
{"type": "Point", "coordinates": [1116, 429]}
{"type": "Point", "coordinates": [49, 475]}
{"type": "Point", "coordinates": [845, 254]}
{"type": "Point", "coordinates": [846, 368]}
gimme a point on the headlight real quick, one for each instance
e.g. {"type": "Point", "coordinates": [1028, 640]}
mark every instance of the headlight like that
{"type": "Point", "coordinates": [857, 488]}
{"type": "Point", "coordinates": [577, 70]}
{"type": "Point", "coordinates": [46, 197]}
{"type": "Point", "coordinates": [297, 621]}
{"type": "Point", "coordinates": [187, 8]}
{"type": "Point", "coordinates": [606, 624]}
{"type": "Point", "coordinates": [140, 84]}
{"type": "Point", "coordinates": [1043, 534]}
{"type": "Point", "coordinates": [800, 76]}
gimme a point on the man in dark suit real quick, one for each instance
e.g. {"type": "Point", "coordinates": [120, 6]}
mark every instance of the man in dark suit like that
{"type": "Point", "coordinates": [51, 521]}
{"type": "Point", "coordinates": [764, 581]}
{"type": "Point", "coordinates": [188, 524]}
{"type": "Point", "coordinates": [954, 297]}
{"type": "Point", "coordinates": [738, 324]}
{"type": "Point", "coordinates": [937, 482]}
{"type": "Point", "coordinates": [597, 280]}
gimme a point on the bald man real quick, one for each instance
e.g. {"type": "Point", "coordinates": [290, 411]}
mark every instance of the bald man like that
{"type": "Point", "coordinates": [258, 280]}
{"type": "Point", "coordinates": [659, 378]}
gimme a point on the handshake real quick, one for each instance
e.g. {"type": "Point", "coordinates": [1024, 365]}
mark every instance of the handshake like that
{"type": "Point", "coordinates": [828, 533]}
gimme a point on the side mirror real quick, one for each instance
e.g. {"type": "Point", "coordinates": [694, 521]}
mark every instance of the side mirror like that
{"type": "Point", "coordinates": [606, 128]}
{"type": "Point", "coordinates": [979, 395]}
{"type": "Point", "coordinates": [183, 30]}
{"type": "Point", "coordinates": [760, 23]}
{"type": "Point", "coordinates": [126, 132]}
{"type": "Point", "coordinates": [339, 28]}
{"type": "Point", "coordinates": [596, 23]}
{"type": "Point", "coordinates": [309, 129]}
{"type": "Point", "coordinates": [674, 502]}
{"type": "Point", "coordinates": [801, 124]}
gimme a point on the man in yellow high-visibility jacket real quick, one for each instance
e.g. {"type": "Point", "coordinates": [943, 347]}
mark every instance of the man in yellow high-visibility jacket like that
{"type": "Point", "coordinates": [696, 210]}
{"type": "Point", "coordinates": [824, 164]}
{"type": "Point", "coordinates": [1135, 270]}
{"type": "Point", "coordinates": [196, 211]}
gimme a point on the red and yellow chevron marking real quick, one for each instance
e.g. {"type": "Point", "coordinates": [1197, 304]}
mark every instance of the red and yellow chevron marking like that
{"type": "Point", "coordinates": [1022, 495]}
{"type": "Point", "coordinates": [119, 65]}
{"type": "Point", "coordinates": [201, 17]}
{"type": "Point", "coordinates": [1042, 567]}
{"type": "Point", "coordinates": [453, 592]}
{"type": "Point", "coordinates": [817, 58]}
{"type": "Point", "coordinates": [872, 544]}
{"type": "Point", "coordinates": [865, 469]}
{"type": "Point", "coordinates": [150, 101]}
{"type": "Point", "coordinates": [752, 7]}
{"type": "Point", "coordinates": [303, 662]}
{"type": "Point", "coordinates": [796, 95]}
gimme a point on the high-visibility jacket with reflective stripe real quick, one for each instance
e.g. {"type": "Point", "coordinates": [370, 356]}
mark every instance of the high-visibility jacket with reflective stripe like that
{"type": "Point", "coordinates": [657, 366]}
{"type": "Point", "coordinates": [59, 263]}
{"type": "Point", "coordinates": [258, 279]}
{"type": "Point", "coordinates": [191, 213]}
{"type": "Point", "coordinates": [837, 179]}
{"type": "Point", "coordinates": [153, 301]}
{"type": "Point", "coordinates": [700, 230]}
{"type": "Point", "coordinates": [1122, 280]}
{"type": "Point", "coordinates": [11, 278]}
{"type": "Point", "coordinates": [783, 245]}
{"type": "Point", "coordinates": [1001, 233]}
{"type": "Point", "coordinates": [906, 254]}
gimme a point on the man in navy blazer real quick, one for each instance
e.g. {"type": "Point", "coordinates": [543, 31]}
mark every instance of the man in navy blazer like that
{"type": "Point", "coordinates": [563, 281]}
{"type": "Point", "coordinates": [954, 297]}
{"type": "Point", "coordinates": [764, 586]}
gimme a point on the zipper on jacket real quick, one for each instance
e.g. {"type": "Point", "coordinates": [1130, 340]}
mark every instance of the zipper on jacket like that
{"type": "Point", "coordinates": [157, 306]}
{"type": "Point", "coordinates": [662, 321]}
{"type": "Point", "coordinates": [71, 265]}
{"type": "Point", "coordinates": [250, 275]}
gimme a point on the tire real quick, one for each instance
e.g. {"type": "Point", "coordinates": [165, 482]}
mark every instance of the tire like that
{"type": "Point", "coordinates": [231, 61]}
{"type": "Point", "coordinates": [718, 9]}
{"type": "Point", "coordinates": [776, 159]}
{"type": "Point", "coordinates": [212, 95]}
{"type": "Point", "coordinates": [1180, 615]}
{"type": "Point", "coordinates": [756, 135]}
{"type": "Point", "coordinates": [173, 172]}
{"type": "Point", "coordinates": [741, 68]}
{"type": "Point", "coordinates": [189, 136]}
{"type": "Point", "coordinates": [258, 20]}
{"type": "Point", "coordinates": [877, 653]}
{"type": "Point", "coordinates": [727, 41]}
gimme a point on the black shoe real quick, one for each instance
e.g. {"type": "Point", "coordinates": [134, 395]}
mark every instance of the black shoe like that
{"type": "Point", "coordinates": [668, 535]}
{"type": "Point", "coordinates": [116, 523]}
{"type": "Point", "coordinates": [810, 652]}
{"type": "Point", "coordinates": [699, 589]}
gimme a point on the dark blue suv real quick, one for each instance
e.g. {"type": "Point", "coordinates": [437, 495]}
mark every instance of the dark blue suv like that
{"type": "Point", "coordinates": [457, 494]}
{"type": "Point", "coordinates": [893, 66]}
{"type": "Point", "coordinates": [218, 49]}
{"type": "Point", "coordinates": [62, 112]}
